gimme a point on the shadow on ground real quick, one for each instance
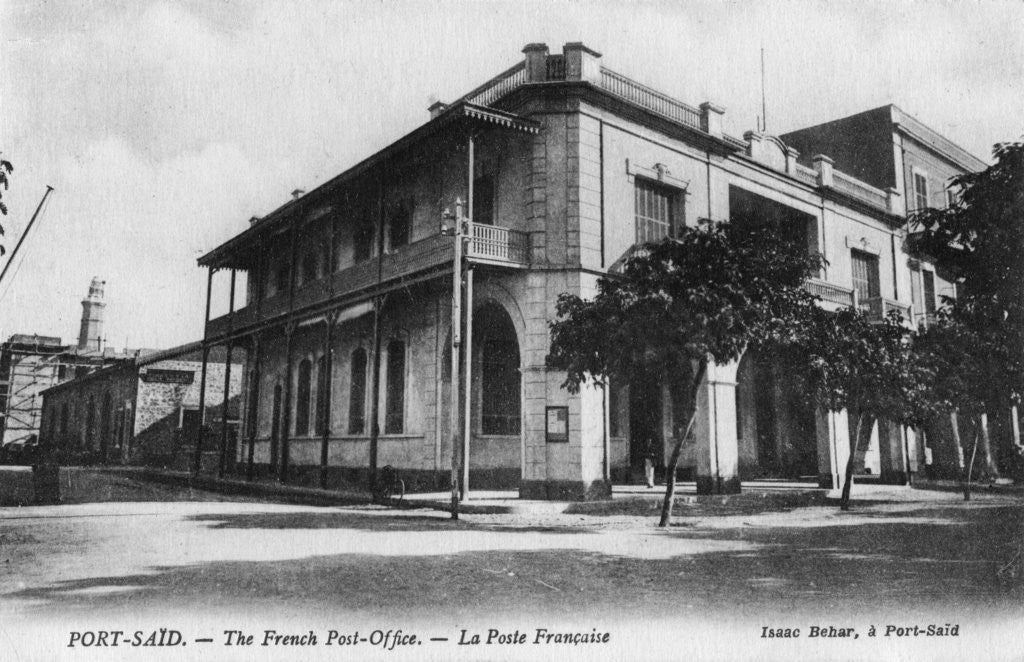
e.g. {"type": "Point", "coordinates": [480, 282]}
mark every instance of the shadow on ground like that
{"type": "Point", "coordinates": [931, 559]}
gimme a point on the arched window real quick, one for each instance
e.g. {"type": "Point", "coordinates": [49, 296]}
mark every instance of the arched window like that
{"type": "Point", "coordinates": [302, 398]}
{"type": "Point", "coordinates": [357, 393]}
{"type": "Point", "coordinates": [394, 411]}
{"type": "Point", "coordinates": [499, 373]}
{"type": "Point", "coordinates": [250, 414]}
{"type": "Point", "coordinates": [323, 395]}
{"type": "Point", "coordinates": [309, 267]}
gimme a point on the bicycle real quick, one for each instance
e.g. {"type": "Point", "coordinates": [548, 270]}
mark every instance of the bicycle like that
{"type": "Point", "coordinates": [390, 489]}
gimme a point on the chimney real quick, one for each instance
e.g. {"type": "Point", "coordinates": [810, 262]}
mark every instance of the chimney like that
{"type": "Point", "coordinates": [437, 108]}
{"type": "Point", "coordinates": [91, 328]}
{"type": "Point", "coordinates": [254, 220]}
{"type": "Point", "coordinates": [297, 193]}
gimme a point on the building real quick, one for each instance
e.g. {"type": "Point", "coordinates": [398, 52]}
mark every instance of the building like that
{"type": "Point", "coordinates": [143, 410]}
{"type": "Point", "coordinates": [565, 165]}
{"type": "Point", "coordinates": [31, 363]}
{"type": "Point", "coordinates": [888, 148]}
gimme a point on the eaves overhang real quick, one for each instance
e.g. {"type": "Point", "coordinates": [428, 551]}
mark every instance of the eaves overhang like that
{"type": "Point", "coordinates": [471, 117]}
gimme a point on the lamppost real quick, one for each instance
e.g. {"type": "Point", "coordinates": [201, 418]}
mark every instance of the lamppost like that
{"type": "Point", "coordinates": [461, 230]}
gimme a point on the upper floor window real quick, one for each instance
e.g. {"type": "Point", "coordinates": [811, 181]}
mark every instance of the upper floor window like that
{"type": "Point", "coordinates": [483, 200]}
{"type": "Point", "coordinates": [655, 211]}
{"type": "Point", "coordinates": [309, 267]}
{"type": "Point", "coordinates": [399, 226]}
{"type": "Point", "coordinates": [865, 275]}
{"type": "Point", "coordinates": [362, 241]}
{"type": "Point", "coordinates": [357, 393]}
{"type": "Point", "coordinates": [394, 412]}
{"type": "Point", "coordinates": [920, 190]}
{"type": "Point", "coordinates": [283, 275]}
{"type": "Point", "coordinates": [302, 396]}
{"type": "Point", "coordinates": [928, 285]}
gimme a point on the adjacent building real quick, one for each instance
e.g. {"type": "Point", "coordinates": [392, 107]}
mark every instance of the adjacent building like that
{"type": "Point", "coordinates": [30, 364]}
{"type": "Point", "coordinates": [145, 410]}
{"type": "Point", "coordinates": [563, 166]}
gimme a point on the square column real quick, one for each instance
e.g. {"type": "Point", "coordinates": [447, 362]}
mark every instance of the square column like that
{"type": "Point", "coordinates": [833, 429]}
{"type": "Point", "coordinates": [891, 453]}
{"type": "Point", "coordinates": [715, 431]}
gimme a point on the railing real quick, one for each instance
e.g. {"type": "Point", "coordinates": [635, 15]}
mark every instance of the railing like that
{"type": "Point", "coordinates": [555, 67]}
{"type": "Point", "coordinates": [806, 175]}
{"type": "Point", "coordinates": [498, 86]}
{"type": "Point", "coordinates": [878, 308]}
{"type": "Point", "coordinates": [858, 189]}
{"type": "Point", "coordinates": [489, 245]}
{"type": "Point", "coordinates": [496, 244]}
{"type": "Point", "coordinates": [652, 100]}
{"type": "Point", "coordinates": [830, 292]}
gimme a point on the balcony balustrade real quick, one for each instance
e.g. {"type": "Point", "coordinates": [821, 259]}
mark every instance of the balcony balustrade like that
{"type": "Point", "coordinates": [878, 308]}
{"type": "Point", "coordinates": [832, 296]}
{"type": "Point", "coordinates": [491, 245]}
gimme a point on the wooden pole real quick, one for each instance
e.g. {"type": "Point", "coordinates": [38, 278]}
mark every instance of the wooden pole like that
{"type": "Point", "coordinates": [197, 458]}
{"type": "Point", "coordinates": [254, 406]}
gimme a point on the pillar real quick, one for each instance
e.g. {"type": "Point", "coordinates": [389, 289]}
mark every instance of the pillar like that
{"type": "Point", "coordinates": [833, 430]}
{"type": "Point", "coordinates": [715, 431]}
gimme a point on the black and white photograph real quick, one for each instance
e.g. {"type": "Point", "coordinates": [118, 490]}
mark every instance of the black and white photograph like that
{"type": "Point", "coordinates": [511, 330]}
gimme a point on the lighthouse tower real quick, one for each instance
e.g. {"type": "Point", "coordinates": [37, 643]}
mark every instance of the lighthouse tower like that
{"type": "Point", "coordinates": [90, 335]}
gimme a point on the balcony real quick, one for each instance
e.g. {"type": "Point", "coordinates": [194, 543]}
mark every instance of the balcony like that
{"type": "Point", "coordinates": [833, 297]}
{"type": "Point", "coordinates": [878, 308]}
{"type": "Point", "coordinates": [489, 245]}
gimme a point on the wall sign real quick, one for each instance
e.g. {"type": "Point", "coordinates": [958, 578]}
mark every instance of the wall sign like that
{"type": "Point", "coordinates": [557, 424]}
{"type": "Point", "coordinates": [168, 376]}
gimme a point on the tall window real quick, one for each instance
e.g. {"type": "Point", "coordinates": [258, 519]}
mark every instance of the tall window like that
{"type": "Point", "coordinates": [283, 274]}
{"type": "Point", "coordinates": [302, 398]}
{"type": "Point", "coordinates": [483, 200]}
{"type": "Point", "coordinates": [64, 419]}
{"type": "Point", "coordinates": [951, 197]}
{"type": "Point", "coordinates": [357, 393]}
{"type": "Point", "coordinates": [928, 279]}
{"type": "Point", "coordinates": [323, 395]}
{"type": "Point", "coordinates": [499, 378]}
{"type": "Point", "coordinates": [309, 267]}
{"type": "Point", "coordinates": [254, 400]}
{"type": "Point", "coordinates": [655, 212]}
{"type": "Point", "coordinates": [920, 190]}
{"type": "Point", "coordinates": [362, 240]}
{"type": "Point", "coordinates": [394, 412]}
{"type": "Point", "coordinates": [614, 403]}
{"type": "Point", "coordinates": [865, 275]}
{"type": "Point", "coordinates": [399, 226]}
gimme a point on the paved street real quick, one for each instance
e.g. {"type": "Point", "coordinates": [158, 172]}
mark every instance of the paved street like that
{"type": "Point", "coordinates": [928, 554]}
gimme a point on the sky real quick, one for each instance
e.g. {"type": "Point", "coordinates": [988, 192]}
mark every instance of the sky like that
{"type": "Point", "coordinates": [163, 126]}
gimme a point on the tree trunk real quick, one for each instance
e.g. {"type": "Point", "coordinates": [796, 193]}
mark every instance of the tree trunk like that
{"type": "Point", "coordinates": [673, 460]}
{"type": "Point", "coordinates": [844, 500]}
{"type": "Point", "coordinates": [970, 469]}
{"type": "Point", "coordinates": [954, 425]}
{"type": "Point", "coordinates": [988, 469]}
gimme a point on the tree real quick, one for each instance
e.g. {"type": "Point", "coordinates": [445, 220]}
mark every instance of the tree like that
{"type": "Point", "coordinates": [5, 169]}
{"type": "Point", "coordinates": [979, 238]}
{"type": "Point", "coordinates": [709, 294]}
{"type": "Point", "coordinates": [845, 360]}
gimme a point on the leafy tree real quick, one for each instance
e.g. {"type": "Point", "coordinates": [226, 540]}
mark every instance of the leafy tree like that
{"type": "Point", "coordinates": [844, 360]}
{"type": "Point", "coordinates": [980, 239]}
{"type": "Point", "coordinates": [707, 295]}
{"type": "Point", "coordinates": [5, 169]}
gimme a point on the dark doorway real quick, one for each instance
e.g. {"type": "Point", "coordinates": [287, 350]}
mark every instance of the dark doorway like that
{"type": "Point", "coordinates": [645, 426]}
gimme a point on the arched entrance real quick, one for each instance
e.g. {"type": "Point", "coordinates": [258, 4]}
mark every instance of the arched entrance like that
{"type": "Point", "coordinates": [496, 401]}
